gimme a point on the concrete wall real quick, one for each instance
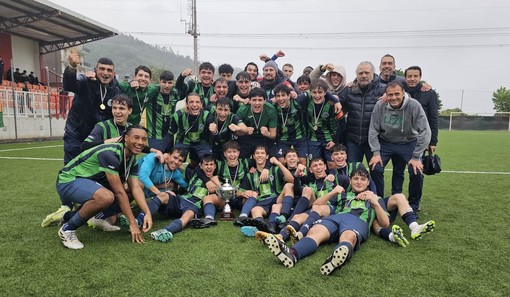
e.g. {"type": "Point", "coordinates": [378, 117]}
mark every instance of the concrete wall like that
{"type": "Point", "coordinates": [25, 54]}
{"type": "Point", "coordinates": [31, 128]}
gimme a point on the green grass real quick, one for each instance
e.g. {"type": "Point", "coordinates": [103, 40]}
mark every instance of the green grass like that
{"type": "Point", "coordinates": [467, 255]}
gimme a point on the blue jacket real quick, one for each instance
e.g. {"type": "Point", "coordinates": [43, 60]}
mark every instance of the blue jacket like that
{"type": "Point", "coordinates": [359, 106]}
{"type": "Point", "coordinates": [151, 171]}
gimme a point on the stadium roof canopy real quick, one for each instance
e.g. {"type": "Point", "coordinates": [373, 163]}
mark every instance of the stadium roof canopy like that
{"type": "Point", "coordinates": [53, 26]}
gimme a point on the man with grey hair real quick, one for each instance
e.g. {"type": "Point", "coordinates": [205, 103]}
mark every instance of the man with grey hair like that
{"type": "Point", "coordinates": [359, 100]}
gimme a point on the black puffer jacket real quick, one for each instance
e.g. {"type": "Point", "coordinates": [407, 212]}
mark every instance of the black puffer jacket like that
{"type": "Point", "coordinates": [86, 109]}
{"type": "Point", "coordinates": [359, 106]}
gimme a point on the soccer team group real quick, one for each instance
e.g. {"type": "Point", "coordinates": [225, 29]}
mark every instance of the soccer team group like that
{"type": "Point", "coordinates": [292, 150]}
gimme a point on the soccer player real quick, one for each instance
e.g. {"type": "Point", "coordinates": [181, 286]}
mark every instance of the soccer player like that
{"type": "Point", "coordinates": [321, 120]}
{"type": "Point", "coordinates": [156, 177]}
{"type": "Point", "coordinates": [183, 207]}
{"type": "Point", "coordinates": [260, 195]}
{"type": "Point", "coordinates": [203, 88]}
{"type": "Point", "coordinates": [229, 168]}
{"type": "Point", "coordinates": [160, 111]}
{"type": "Point", "coordinates": [97, 179]}
{"type": "Point", "coordinates": [111, 130]}
{"type": "Point", "coordinates": [350, 227]}
{"type": "Point", "coordinates": [189, 125]}
{"type": "Point", "coordinates": [141, 91]}
{"type": "Point", "coordinates": [261, 119]}
{"type": "Point", "coordinates": [225, 126]}
{"type": "Point", "coordinates": [291, 129]}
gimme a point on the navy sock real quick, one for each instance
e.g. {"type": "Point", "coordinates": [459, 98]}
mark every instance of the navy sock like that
{"type": "Point", "coordinates": [409, 217]}
{"type": "Point", "coordinates": [302, 204]}
{"type": "Point", "coordinates": [287, 205]}
{"type": "Point", "coordinates": [209, 210]}
{"type": "Point", "coordinates": [349, 246]}
{"type": "Point", "coordinates": [312, 217]}
{"type": "Point", "coordinates": [154, 205]}
{"type": "Point", "coordinates": [272, 217]}
{"type": "Point", "coordinates": [248, 205]}
{"type": "Point", "coordinates": [68, 215]}
{"type": "Point", "coordinates": [384, 233]}
{"type": "Point", "coordinates": [304, 247]}
{"type": "Point", "coordinates": [175, 226]}
{"type": "Point", "coordinates": [75, 222]}
{"type": "Point", "coordinates": [140, 217]}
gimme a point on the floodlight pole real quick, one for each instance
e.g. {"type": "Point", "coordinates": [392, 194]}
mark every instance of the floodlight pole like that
{"type": "Point", "coordinates": [49, 98]}
{"type": "Point", "coordinates": [194, 33]}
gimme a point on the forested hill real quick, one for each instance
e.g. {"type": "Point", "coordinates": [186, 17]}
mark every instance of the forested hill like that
{"type": "Point", "coordinates": [128, 52]}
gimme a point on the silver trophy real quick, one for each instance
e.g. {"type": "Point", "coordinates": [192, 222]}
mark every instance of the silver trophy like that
{"type": "Point", "coordinates": [226, 192]}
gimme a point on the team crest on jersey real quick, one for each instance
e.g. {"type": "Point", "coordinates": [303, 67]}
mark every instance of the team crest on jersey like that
{"type": "Point", "coordinates": [271, 178]}
{"type": "Point", "coordinates": [325, 115]}
{"type": "Point", "coordinates": [201, 127]}
{"type": "Point", "coordinates": [109, 102]}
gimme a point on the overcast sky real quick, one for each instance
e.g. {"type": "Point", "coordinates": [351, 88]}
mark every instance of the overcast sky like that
{"type": "Point", "coordinates": [463, 47]}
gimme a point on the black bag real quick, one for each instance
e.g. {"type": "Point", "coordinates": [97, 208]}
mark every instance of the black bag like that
{"type": "Point", "coordinates": [431, 163]}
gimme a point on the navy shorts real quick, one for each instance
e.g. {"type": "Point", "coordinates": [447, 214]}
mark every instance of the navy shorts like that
{"type": "Point", "coordinates": [301, 147]}
{"type": "Point", "coordinates": [177, 206]}
{"type": "Point", "coordinates": [78, 191]}
{"type": "Point", "coordinates": [318, 149]}
{"type": "Point", "coordinates": [338, 223]}
{"type": "Point", "coordinates": [266, 203]}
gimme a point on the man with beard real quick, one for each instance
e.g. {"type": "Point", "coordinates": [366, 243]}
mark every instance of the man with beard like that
{"type": "Point", "coordinates": [270, 79]}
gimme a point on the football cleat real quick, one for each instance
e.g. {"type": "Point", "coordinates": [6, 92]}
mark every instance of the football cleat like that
{"type": "Point", "coordinates": [202, 223]}
{"type": "Point", "coordinates": [102, 224]}
{"type": "Point", "coordinates": [249, 231]}
{"type": "Point", "coordinates": [423, 229]}
{"type": "Point", "coordinates": [69, 238]}
{"type": "Point", "coordinates": [295, 236]}
{"type": "Point", "coordinates": [56, 216]}
{"type": "Point", "coordinates": [335, 260]}
{"type": "Point", "coordinates": [240, 221]}
{"type": "Point", "coordinates": [280, 250]}
{"type": "Point", "coordinates": [398, 233]}
{"type": "Point", "coordinates": [162, 235]}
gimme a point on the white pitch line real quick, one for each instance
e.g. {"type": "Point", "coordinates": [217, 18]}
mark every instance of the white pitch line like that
{"type": "Point", "coordinates": [29, 158]}
{"type": "Point", "coordinates": [467, 172]}
{"type": "Point", "coordinates": [29, 148]}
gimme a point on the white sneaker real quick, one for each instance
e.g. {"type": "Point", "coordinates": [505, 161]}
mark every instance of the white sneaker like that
{"type": "Point", "coordinates": [69, 239]}
{"type": "Point", "coordinates": [102, 224]}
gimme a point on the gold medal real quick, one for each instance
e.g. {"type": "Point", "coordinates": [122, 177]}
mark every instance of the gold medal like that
{"type": "Point", "coordinates": [102, 106]}
{"type": "Point", "coordinates": [315, 128]}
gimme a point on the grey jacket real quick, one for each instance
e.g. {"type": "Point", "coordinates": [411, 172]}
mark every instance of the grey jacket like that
{"type": "Point", "coordinates": [402, 125]}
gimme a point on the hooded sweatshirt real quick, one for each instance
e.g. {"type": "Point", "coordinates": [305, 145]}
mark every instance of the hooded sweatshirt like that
{"type": "Point", "coordinates": [317, 74]}
{"type": "Point", "coordinates": [400, 125]}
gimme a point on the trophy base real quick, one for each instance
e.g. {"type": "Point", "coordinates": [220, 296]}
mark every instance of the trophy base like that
{"type": "Point", "coordinates": [227, 216]}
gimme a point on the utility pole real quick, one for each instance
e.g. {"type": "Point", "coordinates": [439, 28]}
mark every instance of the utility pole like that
{"type": "Point", "coordinates": [194, 32]}
{"type": "Point", "coordinates": [462, 100]}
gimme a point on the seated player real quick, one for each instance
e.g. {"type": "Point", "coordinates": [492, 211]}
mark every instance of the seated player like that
{"type": "Point", "coordinates": [183, 207]}
{"type": "Point", "coordinates": [230, 168]}
{"type": "Point", "coordinates": [156, 178]}
{"type": "Point", "coordinates": [260, 195]}
{"type": "Point", "coordinates": [350, 227]}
